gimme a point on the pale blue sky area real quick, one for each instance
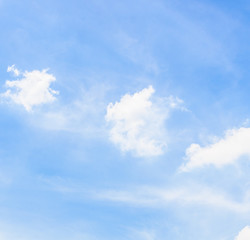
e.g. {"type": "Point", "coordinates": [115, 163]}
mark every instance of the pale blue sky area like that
{"type": "Point", "coordinates": [124, 120]}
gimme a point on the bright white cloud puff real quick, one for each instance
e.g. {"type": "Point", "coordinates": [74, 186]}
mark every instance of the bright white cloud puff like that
{"type": "Point", "coordinates": [244, 234]}
{"type": "Point", "coordinates": [30, 90]}
{"type": "Point", "coordinates": [228, 150]}
{"type": "Point", "coordinates": [138, 124]}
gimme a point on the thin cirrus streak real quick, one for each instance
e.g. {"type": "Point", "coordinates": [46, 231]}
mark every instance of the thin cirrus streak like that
{"type": "Point", "coordinates": [161, 198]}
{"type": "Point", "coordinates": [153, 197]}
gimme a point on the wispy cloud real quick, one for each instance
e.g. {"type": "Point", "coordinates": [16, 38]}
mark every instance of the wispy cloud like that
{"type": "Point", "coordinates": [137, 52]}
{"type": "Point", "coordinates": [227, 150]}
{"type": "Point", "coordinates": [31, 90]}
{"type": "Point", "coordinates": [84, 114]}
{"type": "Point", "coordinates": [161, 198]}
{"type": "Point", "coordinates": [45, 228]}
{"type": "Point", "coordinates": [153, 197]}
{"type": "Point", "coordinates": [144, 234]}
{"type": "Point", "coordinates": [13, 69]}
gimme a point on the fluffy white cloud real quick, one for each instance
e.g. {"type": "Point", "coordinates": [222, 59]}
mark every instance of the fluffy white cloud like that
{"type": "Point", "coordinates": [138, 124]}
{"type": "Point", "coordinates": [32, 89]}
{"type": "Point", "coordinates": [234, 145]}
{"type": "Point", "coordinates": [244, 234]}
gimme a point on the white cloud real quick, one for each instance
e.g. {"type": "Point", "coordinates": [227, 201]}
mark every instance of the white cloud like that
{"type": "Point", "coordinates": [14, 70]}
{"type": "Point", "coordinates": [32, 89]}
{"type": "Point", "coordinates": [138, 124]}
{"type": "Point", "coordinates": [228, 150]}
{"type": "Point", "coordinates": [244, 234]}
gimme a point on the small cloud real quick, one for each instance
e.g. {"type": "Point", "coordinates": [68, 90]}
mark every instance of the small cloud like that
{"type": "Point", "coordinates": [13, 69]}
{"type": "Point", "coordinates": [227, 150]}
{"type": "Point", "coordinates": [142, 235]}
{"type": "Point", "coordinates": [32, 89]}
{"type": "Point", "coordinates": [244, 234]}
{"type": "Point", "coordinates": [138, 124]}
{"type": "Point", "coordinates": [176, 103]}
{"type": "Point", "coordinates": [246, 122]}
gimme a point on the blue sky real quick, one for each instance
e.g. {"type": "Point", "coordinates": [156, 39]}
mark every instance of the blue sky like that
{"type": "Point", "coordinates": [124, 120]}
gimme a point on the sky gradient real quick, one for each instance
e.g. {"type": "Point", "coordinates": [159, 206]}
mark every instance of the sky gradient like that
{"type": "Point", "coordinates": [124, 120]}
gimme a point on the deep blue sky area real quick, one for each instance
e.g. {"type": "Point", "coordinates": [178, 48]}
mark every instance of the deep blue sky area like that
{"type": "Point", "coordinates": [124, 120]}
